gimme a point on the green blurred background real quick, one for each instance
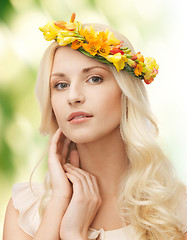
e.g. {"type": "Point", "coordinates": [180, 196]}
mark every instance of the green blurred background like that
{"type": "Point", "coordinates": [156, 28]}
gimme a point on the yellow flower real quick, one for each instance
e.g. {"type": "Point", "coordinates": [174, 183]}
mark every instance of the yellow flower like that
{"type": "Point", "coordinates": [92, 47]}
{"type": "Point", "coordinates": [50, 31]}
{"type": "Point", "coordinates": [111, 40]}
{"type": "Point", "coordinates": [118, 60]}
{"type": "Point", "coordinates": [63, 41]}
{"type": "Point", "coordinates": [151, 69]}
{"type": "Point", "coordinates": [151, 63]}
{"type": "Point", "coordinates": [101, 35]}
{"type": "Point", "coordinates": [66, 33]}
{"type": "Point", "coordinates": [78, 26]}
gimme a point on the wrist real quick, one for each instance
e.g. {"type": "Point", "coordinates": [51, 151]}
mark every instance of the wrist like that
{"type": "Point", "coordinates": [74, 237]}
{"type": "Point", "coordinates": [59, 199]}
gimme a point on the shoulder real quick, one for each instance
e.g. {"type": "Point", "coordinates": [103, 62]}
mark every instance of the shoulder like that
{"type": "Point", "coordinates": [11, 227]}
{"type": "Point", "coordinates": [23, 209]}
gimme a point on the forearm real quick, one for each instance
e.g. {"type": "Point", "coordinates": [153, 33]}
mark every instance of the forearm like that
{"type": "Point", "coordinates": [49, 228]}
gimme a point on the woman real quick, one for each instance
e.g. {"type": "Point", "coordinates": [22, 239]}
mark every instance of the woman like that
{"type": "Point", "coordinates": [95, 109]}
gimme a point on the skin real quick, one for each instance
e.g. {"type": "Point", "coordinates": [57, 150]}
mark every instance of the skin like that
{"type": "Point", "coordinates": [81, 197]}
{"type": "Point", "coordinates": [90, 87]}
{"type": "Point", "coordinates": [83, 193]}
{"type": "Point", "coordinates": [99, 143]}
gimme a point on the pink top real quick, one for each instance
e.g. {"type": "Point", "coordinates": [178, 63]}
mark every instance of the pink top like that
{"type": "Point", "coordinates": [28, 203]}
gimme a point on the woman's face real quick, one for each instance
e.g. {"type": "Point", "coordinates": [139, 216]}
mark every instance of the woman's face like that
{"type": "Point", "coordinates": [85, 96]}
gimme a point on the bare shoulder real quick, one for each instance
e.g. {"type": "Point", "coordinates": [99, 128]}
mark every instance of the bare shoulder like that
{"type": "Point", "coordinates": [11, 228]}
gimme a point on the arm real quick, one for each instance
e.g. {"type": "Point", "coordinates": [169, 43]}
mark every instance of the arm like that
{"type": "Point", "coordinates": [48, 229]}
{"type": "Point", "coordinates": [185, 236]}
{"type": "Point", "coordinates": [11, 229]}
{"type": "Point", "coordinates": [50, 225]}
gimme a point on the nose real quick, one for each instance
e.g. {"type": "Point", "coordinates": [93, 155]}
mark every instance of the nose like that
{"type": "Point", "coordinates": [75, 95]}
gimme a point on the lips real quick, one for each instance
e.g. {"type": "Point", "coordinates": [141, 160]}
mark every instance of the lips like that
{"type": "Point", "coordinates": [78, 114]}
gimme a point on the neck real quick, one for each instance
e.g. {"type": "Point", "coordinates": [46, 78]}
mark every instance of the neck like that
{"type": "Point", "coordinates": [105, 159]}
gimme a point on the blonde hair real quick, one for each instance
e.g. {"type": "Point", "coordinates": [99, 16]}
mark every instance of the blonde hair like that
{"type": "Point", "coordinates": [149, 191]}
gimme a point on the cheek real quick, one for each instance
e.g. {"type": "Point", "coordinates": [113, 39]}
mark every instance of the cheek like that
{"type": "Point", "coordinates": [110, 104]}
{"type": "Point", "coordinates": [58, 107]}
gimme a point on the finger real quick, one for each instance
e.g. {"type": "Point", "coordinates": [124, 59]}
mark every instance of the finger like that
{"type": "Point", "coordinates": [83, 176]}
{"type": "Point", "coordinates": [74, 158]}
{"type": "Point", "coordinates": [54, 161]}
{"type": "Point", "coordinates": [53, 143]}
{"type": "Point", "coordinates": [77, 184]}
{"type": "Point", "coordinates": [93, 178]}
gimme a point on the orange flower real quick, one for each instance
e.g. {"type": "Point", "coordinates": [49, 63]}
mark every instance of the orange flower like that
{"type": "Point", "coordinates": [65, 26]}
{"type": "Point", "coordinates": [102, 36]}
{"type": "Point", "coordinates": [92, 47]}
{"type": "Point", "coordinates": [60, 24]}
{"type": "Point", "coordinates": [76, 44]}
{"type": "Point", "coordinates": [140, 57]}
{"type": "Point", "coordinates": [138, 70]}
{"type": "Point", "coordinates": [72, 17]}
{"type": "Point", "coordinates": [88, 33]}
{"type": "Point", "coordinates": [104, 49]}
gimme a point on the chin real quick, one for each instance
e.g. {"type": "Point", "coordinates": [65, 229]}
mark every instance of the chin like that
{"type": "Point", "coordinates": [82, 139]}
{"type": "Point", "coordinates": [81, 136]}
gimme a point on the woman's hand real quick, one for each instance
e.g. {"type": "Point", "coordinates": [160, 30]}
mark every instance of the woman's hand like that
{"type": "Point", "coordinates": [83, 206]}
{"type": "Point", "coordinates": [58, 150]}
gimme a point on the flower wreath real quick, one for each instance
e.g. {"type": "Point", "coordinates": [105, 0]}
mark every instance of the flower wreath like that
{"type": "Point", "coordinates": [101, 45]}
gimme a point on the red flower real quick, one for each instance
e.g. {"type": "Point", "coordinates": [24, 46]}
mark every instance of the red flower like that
{"type": "Point", "coordinates": [116, 50]}
{"type": "Point", "coordinates": [148, 81]}
{"type": "Point", "coordinates": [134, 57]}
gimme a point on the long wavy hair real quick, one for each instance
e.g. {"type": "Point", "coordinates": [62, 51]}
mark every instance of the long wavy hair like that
{"type": "Point", "coordinates": [149, 192]}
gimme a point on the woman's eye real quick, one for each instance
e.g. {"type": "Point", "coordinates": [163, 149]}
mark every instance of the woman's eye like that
{"type": "Point", "coordinates": [95, 79]}
{"type": "Point", "coordinates": [61, 85]}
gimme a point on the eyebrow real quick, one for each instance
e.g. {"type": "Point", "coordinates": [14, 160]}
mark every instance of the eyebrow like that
{"type": "Point", "coordinates": [83, 71]}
